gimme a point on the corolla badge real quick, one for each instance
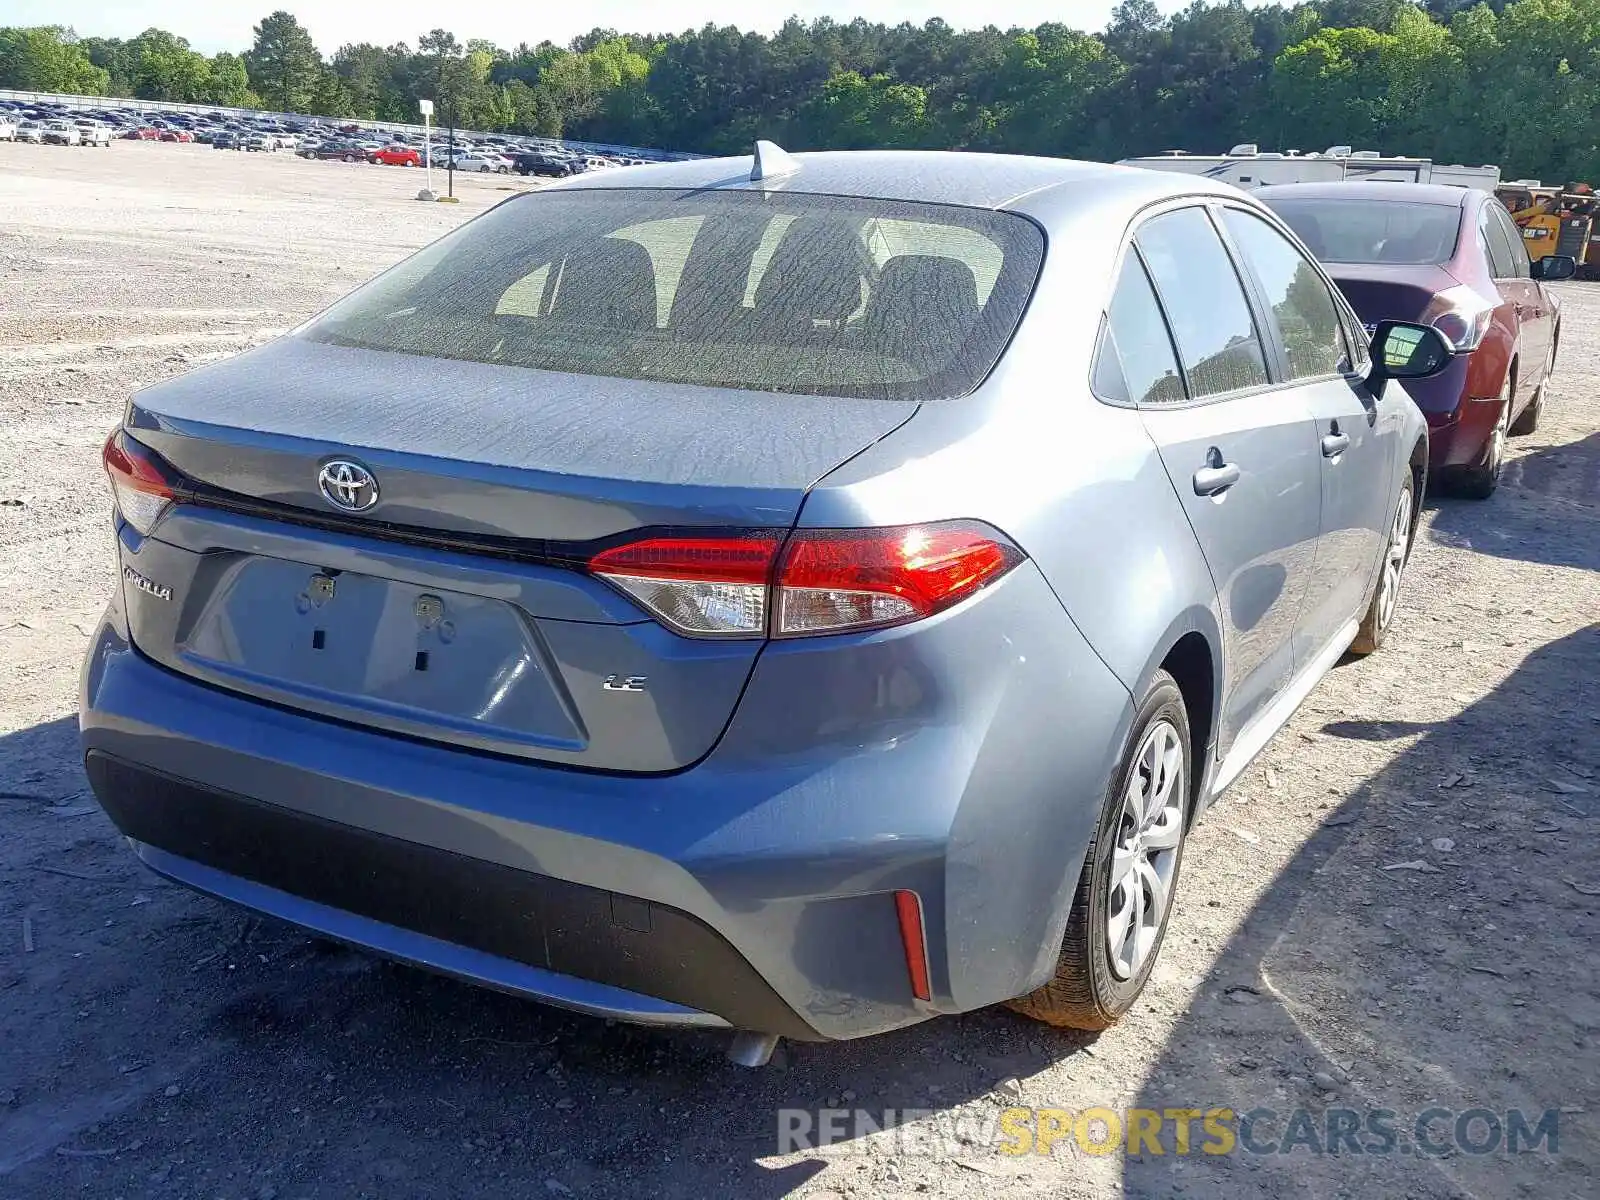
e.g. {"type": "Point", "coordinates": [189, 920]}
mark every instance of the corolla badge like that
{"type": "Point", "coordinates": [347, 485]}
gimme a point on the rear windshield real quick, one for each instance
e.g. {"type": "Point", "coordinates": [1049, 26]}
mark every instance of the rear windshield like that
{"type": "Point", "coordinates": [1400, 232]}
{"type": "Point", "coordinates": [770, 292]}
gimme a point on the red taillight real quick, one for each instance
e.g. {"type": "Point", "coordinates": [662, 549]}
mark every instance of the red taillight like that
{"type": "Point", "coordinates": [828, 580]}
{"type": "Point", "coordinates": [721, 559]}
{"type": "Point", "coordinates": [852, 578]}
{"type": "Point", "coordinates": [1461, 315]}
{"type": "Point", "coordinates": [141, 488]}
{"type": "Point", "coordinates": [708, 587]}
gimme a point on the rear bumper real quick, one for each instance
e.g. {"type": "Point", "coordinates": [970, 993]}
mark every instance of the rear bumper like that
{"type": "Point", "coordinates": [462, 916]}
{"type": "Point", "coordinates": [1460, 438]}
{"type": "Point", "coordinates": [963, 759]}
{"type": "Point", "coordinates": [1459, 422]}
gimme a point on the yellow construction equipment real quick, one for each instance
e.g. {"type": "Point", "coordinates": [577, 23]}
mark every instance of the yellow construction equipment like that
{"type": "Point", "coordinates": [1556, 220]}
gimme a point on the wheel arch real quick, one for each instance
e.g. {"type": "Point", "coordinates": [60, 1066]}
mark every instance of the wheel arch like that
{"type": "Point", "coordinates": [1190, 650]}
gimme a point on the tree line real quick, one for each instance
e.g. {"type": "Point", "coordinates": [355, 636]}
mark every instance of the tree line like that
{"type": "Point", "coordinates": [1516, 84]}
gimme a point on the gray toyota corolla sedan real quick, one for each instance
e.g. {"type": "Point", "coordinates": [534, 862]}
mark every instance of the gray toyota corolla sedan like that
{"type": "Point", "coordinates": [801, 595]}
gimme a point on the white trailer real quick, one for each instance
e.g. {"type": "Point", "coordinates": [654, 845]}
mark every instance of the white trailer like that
{"type": "Point", "coordinates": [1247, 166]}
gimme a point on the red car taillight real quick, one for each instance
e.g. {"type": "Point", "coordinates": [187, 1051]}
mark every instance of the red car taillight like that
{"type": "Point", "coordinates": [1462, 316]}
{"type": "Point", "coordinates": [818, 581]}
{"type": "Point", "coordinates": [141, 487]}
{"type": "Point", "coordinates": [713, 587]}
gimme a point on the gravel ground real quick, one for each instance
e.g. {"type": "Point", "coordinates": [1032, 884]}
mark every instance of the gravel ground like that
{"type": "Point", "coordinates": [153, 1042]}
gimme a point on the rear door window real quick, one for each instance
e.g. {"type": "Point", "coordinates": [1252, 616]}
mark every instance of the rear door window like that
{"type": "Point", "coordinates": [1496, 245]}
{"type": "Point", "coordinates": [1307, 318]}
{"type": "Point", "coordinates": [1136, 362]}
{"type": "Point", "coordinates": [1520, 266]}
{"type": "Point", "coordinates": [767, 291]}
{"type": "Point", "coordinates": [1217, 339]}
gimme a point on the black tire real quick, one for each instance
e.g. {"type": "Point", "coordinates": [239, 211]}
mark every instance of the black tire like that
{"type": "Point", "coordinates": [1528, 419]}
{"type": "Point", "coordinates": [1386, 591]}
{"type": "Point", "coordinates": [1087, 992]}
{"type": "Point", "coordinates": [1480, 481]}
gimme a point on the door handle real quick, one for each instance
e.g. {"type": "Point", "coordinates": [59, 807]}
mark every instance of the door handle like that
{"type": "Point", "coordinates": [1216, 478]}
{"type": "Point", "coordinates": [1335, 444]}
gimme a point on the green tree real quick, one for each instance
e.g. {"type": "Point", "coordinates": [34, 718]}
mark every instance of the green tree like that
{"type": "Point", "coordinates": [115, 57]}
{"type": "Point", "coordinates": [284, 65]}
{"type": "Point", "coordinates": [230, 82]}
{"type": "Point", "coordinates": [853, 112]}
{"type": "Point", "coordinates": [164, 68]}
{"type": "Point", "coordinates": [48, 59]}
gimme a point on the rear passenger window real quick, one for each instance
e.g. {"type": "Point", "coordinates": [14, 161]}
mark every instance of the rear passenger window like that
{"type": "Point", "coordinates": [1204, 300]}
{"type": "Point", "coordinates": [1501, 264]}
{"type": "Point", "coordinates": [1136, 360]}
{"type": "Point", "coordinates": [1519, 251]}
{"type": "Point", "coordinates": [1307, 319]}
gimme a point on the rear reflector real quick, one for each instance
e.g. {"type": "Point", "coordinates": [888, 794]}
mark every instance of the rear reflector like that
{"type": "Point", "coordinates": [909, 909]}
{"type": "Point", "coordinates": [140, 486]}
{"type": "Point", "coordinates": [823, 581]}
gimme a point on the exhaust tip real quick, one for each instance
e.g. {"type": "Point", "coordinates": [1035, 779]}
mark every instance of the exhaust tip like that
{"type": "Point", "coordinates": [750, 1049]}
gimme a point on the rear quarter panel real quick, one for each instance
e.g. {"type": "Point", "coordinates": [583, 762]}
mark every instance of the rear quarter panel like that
{"type": "Point", "coordinates": [1079, 486]}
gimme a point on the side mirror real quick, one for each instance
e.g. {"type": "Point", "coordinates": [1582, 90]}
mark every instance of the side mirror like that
{"type": "Point", "coordinates": [1555, 266]}
{"type": "Point", "coordinates": [1406, 350]}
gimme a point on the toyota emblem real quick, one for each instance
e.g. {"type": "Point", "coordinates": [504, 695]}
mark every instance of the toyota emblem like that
{"type": "Point", "coordinates": [347, 485]}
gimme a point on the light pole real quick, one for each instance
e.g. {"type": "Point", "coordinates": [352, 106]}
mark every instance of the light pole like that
{"type": "Point", "coordinates": [427, 141]}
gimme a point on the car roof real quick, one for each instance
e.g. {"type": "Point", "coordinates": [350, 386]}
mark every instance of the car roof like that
{"type": "Point", "coordinates": [930, 176]}
{"type": "Point", "coordinates": [1369, 189]}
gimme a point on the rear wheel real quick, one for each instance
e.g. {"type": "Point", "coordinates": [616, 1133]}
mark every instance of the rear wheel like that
{"type": "Point", "coordinates": [1479, 482]}
{"type": "Point", "coordinates": [1528, 421]}
{"type": "Point", "coordinates": [1386, 597]}
{"type": "Point", "coordinates": [1125, 892]}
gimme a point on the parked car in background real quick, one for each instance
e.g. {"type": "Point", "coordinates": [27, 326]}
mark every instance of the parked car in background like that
{"type": "Point", "coordinates": [904, 580]}
{"type": "Point", "coordinates": [343, 151]}
{"type": "Point", "coordinates": [540, 162]}
{"type": "Point", "coordinates": [176, 135]}
{"type": "Point", "coordinates": [62, 133]}
{"type": "Point", "coordinates": [30, 131]}
{"type": "Point", "coordinates": [8, 130]}
{"type": "Point", "coordinates": [226, 141]}
{"type": "Point", "coordinates": [94, 133]}
{"type": "Point", "coordinates": [1449, 257]}
{"type": "Point", "coordinates": [395, 155]}
{"type": "Point", "coordinates": [482, 160]}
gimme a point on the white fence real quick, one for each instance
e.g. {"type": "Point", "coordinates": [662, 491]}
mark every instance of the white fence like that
{"type": "Point", "coordinates": [159, 106]}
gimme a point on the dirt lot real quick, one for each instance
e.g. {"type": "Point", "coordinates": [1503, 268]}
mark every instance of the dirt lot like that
{"type": "Point", "coordinates": [153, 1042]}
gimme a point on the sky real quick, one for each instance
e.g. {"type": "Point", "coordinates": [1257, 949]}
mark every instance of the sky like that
{"type": "Point", "coordinates": [213, 25]}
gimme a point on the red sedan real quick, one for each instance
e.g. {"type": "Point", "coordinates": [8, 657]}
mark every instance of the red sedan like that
{"type": "Point", "coordinates": [176, 135]}
{"type": "Point", "coordinates": [1452, 258]}
{"type": "Point", "coordinates": [143, 134]}
{"type": "Point", "coordinates": [396, 156]}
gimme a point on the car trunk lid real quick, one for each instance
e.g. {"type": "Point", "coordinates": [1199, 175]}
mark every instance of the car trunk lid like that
{"type": "Point", "coordinates": [1390, 293]}
{"type": "Point", "coordinates": [455, 607]}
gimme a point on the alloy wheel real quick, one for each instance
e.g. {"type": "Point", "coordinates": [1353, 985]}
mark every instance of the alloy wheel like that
{"type": "Point", "coordinates": [1145, 858]}
{"type": "Point", "coordinates": [1496, 460]}
{"type": "Point", "coordinates": [1394, 560]}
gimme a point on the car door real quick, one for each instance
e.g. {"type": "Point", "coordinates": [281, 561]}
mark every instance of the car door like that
{"type": "Point", "coordinates": [1239, 448]}
{"type": "Point", "coordinates": [1508, 257]}
{"type": "Point", "coordinates": [1358, 436]}
{"type": "Point", "coordinates": [1538, 321]}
